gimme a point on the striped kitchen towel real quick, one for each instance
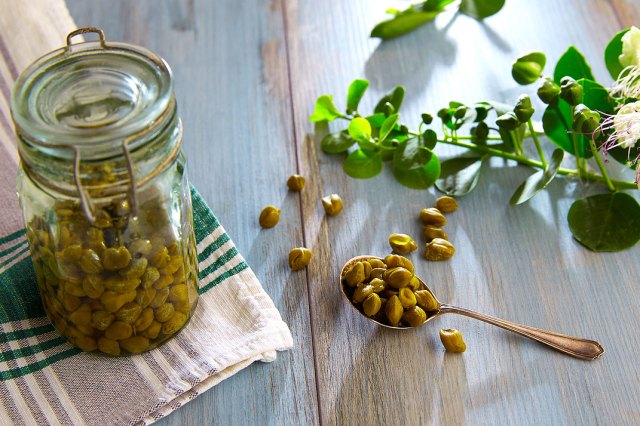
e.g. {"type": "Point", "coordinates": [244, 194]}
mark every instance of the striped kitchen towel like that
{"type": "Point", "coordinates": [45, 380]}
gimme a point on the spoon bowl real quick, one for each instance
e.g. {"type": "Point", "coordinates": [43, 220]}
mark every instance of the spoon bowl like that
{"type": "Point", "coordinates": [574, 346]}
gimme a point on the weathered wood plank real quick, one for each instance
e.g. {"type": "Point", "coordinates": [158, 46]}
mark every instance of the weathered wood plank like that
{"type": "Point", "coordinates": [519, 263]}
{"type": "Point", "coordinates": [230, 72]}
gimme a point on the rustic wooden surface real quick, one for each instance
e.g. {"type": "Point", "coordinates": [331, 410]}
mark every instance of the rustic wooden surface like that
{"type": "Point", "coordinates": [247, 74]}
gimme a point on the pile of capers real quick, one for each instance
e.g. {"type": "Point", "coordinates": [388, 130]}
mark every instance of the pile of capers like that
{"type": "Point", "coordinates": [118, 284]}
{"type": "Point", "coordinates": [388, 291]}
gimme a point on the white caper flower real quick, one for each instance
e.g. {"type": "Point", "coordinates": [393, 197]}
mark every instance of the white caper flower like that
{"type": "Point", "coordinates": [630, 48]}
{"type": "Point", "coordinates": [624, 128]}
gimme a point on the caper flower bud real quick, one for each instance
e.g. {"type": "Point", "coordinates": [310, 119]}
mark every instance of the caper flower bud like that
{"type": "Point", "coordinates": [452, 340]}
{"type": "Point", "coordinates": [402, 243]}
{"type": "Point", "coordinates": [460, 112]}
{"type": "Point", "coordinates": [439, 249]}
{"type": "Point", "coordinates": [269, 217]}
{"type": "Point", "coordinates": [508, 121]}
{"type": "Point", "coordinates": [427, 118]}
{"type": "Point", "coordinates": [295, 183]}
{"type": "Point", "coordinates": [570, 91]}
{"type": "Point", "coordinates": [549, 91]}
{"type": "Point", "coordinates": [585, 120]}
{"type": "Point", "coordinates": [433, 216]}
{"type": "Point", "coordinates": [523, 109]}
{"type": "Point", "coordinates": [299, 258]}
{"type": "Point", "coordinates": [332, 204]}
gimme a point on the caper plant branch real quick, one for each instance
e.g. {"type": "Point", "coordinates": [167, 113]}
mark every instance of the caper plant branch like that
{"type": "Point", "coordinates": [536, 142]}
{"type": "Point", "coordinates": [612, 184]}
{"type": "Point", "coordinates": [603, 169]}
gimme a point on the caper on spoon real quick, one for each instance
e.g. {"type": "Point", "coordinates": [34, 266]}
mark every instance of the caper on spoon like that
{"type": "Point", "coordinates": [574, 346]}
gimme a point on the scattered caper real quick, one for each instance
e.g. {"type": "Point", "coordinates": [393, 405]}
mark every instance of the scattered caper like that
{"type": "Point", "coordinates": [439, 249]}
{"type": "Point", "coordinates": [452, 340]}
{"type": "Point", "coordinates": [269, 217]}
{"type": "Point", "coordinates": [299, 258]}
{"type": "Point", "coordinates": [295, 183]}
{"type": "Point", "coordinates": [402, 243]}
{"type": "Point", "coordinates": [332, 204]}
{"type": "Point", "coordinates": [430, 232]}
{"type": "Point", "coordinates": [446, 204]}
{"type": "Point", "coordinates": [433, 216]}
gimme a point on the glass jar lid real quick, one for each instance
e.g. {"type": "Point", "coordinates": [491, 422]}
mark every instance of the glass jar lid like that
{"type": "Point", "coordinates": [92, 96]}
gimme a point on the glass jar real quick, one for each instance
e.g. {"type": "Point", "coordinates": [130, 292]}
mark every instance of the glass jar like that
{"type": "Point", "coordinates": [104, 194]}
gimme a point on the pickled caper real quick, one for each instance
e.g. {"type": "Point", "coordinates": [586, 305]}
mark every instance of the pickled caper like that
{"type": "Point", "coordinates": [269, 217]}
{"type": "Point", "coordinates": [452, 340]}
{"type": "Point", "coordinates": [354, 275]}
{"type": "Point", "coordinates": [397, 277]}
{"type": "Point", "coordinates": [116, 258]}
{"type": "Point", "coordinates": [135, 344]}
{"type": "Point", "coordinates": [371, 305]}
{"type": "Point", "coordinates": [108, 346]}
{"type": "Point", "coordinates": [393, 310]}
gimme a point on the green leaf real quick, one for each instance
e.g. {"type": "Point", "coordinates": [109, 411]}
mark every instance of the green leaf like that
{"type": "Point", "coordinates": [436, 5]}
{"type": "Point", "coordinates": [528, 68]}
{"type": "Point", "coordinates": [325, 110]}
{"type": "Point", "coordinates": [402, 23]}
{"type": "Point", "coordinates": [611, 54]}
{"type": "Point", "coordinates": [335, 143]}
{"type": "Point", "coordinates": [411, 155]}
{"type": "Point", "coordinates": [606, 222]}
{"type": "Point", "coordinates": [387, 126]}
{"type": "Point", "coordinates": [596, 96]}
{"type": "Point", "coordinates": [459, 175]}
{"type": "Point", "coordinates": [480, 9]}
{"type": "Point", "coordinates": [420, 178]}
{"type": "Point", "coordinates": [397, 96]}
{"type": "Point", "coordinates": [376, 120]}
{"type": "Point", "coordinates": [355, 93]}
{"type": "Point", "coordinates": [361, 165]}
{"type": "Point", "coordinates": [573, 64]}
{"type": "Point", "coordinates": [539, 180]}
{"type": "Point", "coordinates": [360, 129]}
{"type": "Point", "coordinates": [556, 122]}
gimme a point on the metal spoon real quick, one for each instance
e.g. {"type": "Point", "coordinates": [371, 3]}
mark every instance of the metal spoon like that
{"type": "Point", "coordinates": [574, 346]}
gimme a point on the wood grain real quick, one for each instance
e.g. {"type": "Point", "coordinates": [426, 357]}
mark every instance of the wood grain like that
{"type": "Point", "coordinates": [247, 75]}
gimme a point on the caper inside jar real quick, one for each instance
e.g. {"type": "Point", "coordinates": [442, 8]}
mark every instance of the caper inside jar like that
{"type": "Point", "coordinates": [105, 196]}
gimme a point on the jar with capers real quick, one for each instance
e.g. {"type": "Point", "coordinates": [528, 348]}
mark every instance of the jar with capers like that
{"type": "Point", "coordinates": [105, 196]}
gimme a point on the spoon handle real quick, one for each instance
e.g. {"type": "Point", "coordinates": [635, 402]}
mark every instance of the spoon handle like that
{"type": "Point", "coordinates": [574, 346]}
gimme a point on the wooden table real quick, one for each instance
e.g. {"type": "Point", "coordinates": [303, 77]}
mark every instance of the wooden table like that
{"type": "Point", "coordinates": [247, 74]}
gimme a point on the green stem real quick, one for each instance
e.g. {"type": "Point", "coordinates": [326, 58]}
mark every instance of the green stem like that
{"type": "Point", "coordinates": [483, 149]}
{"type": "Point", "coordinates": [489, 138]}
{"type": "Point", "coordinates": [537, 143]}
{"type": "Point", "coordinates": [603, 170]}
